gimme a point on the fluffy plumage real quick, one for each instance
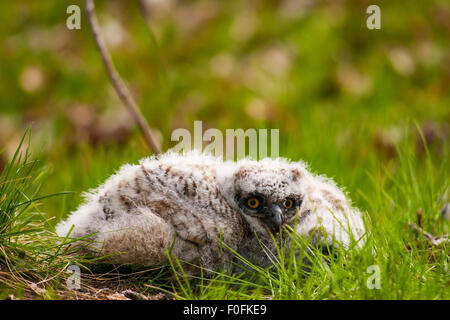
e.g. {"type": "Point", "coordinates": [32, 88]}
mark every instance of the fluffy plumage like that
{"type": "Point", "coordinates": [192, 202]}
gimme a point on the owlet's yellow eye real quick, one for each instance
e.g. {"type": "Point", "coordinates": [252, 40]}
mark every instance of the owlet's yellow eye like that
{"type": "Point", "coordinates": [253, 203]}
{"type": "Point", "coordinates": [288, 203]}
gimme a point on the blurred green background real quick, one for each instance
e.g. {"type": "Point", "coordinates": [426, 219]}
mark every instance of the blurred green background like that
{"type": "Point", "coordinates": [343, 96]}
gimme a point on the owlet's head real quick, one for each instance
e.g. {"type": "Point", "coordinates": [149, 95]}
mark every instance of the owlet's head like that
{"type": "Point", "coordinates": [266, 193]}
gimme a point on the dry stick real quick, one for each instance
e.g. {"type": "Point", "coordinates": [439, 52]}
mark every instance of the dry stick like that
{"type": "Point", "coordinates": [434, 240]}
{"type": "Point", "coordinates": [117, 82]}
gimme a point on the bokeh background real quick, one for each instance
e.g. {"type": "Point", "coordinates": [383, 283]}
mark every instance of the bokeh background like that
{"type": "Point", "coordinates": [344, 97]}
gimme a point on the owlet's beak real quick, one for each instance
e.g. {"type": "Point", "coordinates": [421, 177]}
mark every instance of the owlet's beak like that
{"type": "Point", "coordinates": [272, 218]}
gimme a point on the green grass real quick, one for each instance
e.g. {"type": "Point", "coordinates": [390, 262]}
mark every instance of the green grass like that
{"type": "Point", "coordinates": [29, 252]}
{"type": "Point", "coordinates": [343, 97]}
{"type": "Point", "coordinates": [410, 267]}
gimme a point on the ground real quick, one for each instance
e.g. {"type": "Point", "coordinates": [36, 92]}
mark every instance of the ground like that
{"type": "Point", "coordinates": [369, 108]}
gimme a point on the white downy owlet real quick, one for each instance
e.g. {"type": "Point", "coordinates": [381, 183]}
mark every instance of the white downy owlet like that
{"type": "Point", "coordinates": [192, 204]}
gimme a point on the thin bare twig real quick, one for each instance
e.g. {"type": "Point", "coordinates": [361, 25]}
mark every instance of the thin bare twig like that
{"type": "Point", "coordinates": [434, 240]}
{"type": "Point", "coordinates": [419, 217]}
{"type": "Point", "coordinates": [117, 82]}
